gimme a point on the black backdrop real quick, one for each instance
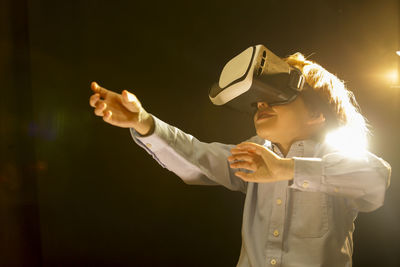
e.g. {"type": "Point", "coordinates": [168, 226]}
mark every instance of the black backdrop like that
{"type": "Point", "coordinates": [75, 191]}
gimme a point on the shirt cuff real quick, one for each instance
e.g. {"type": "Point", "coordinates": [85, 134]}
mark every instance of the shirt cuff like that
{"type": "Point", "coordinates": [154, 141]}
{"type": "Point", "coordinates": [308, 173]}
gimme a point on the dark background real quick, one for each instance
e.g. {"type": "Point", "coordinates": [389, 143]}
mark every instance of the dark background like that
{"type": "Point", "coordinates": [76, 191]}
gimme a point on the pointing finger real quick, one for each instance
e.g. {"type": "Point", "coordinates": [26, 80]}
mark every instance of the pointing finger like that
{"type": "Point", "coordinates": [98, 89]}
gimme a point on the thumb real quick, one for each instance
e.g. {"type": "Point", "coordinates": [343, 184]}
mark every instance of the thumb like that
{"type": "Point", "coordinates": [130, 101]}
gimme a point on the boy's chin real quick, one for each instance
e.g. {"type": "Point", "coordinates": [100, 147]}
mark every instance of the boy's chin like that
{"type": "Point", "coordinates": [263, 134]}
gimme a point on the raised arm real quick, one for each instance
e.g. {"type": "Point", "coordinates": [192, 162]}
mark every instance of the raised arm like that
{"type": "Point", "coordinates": [193, 161]}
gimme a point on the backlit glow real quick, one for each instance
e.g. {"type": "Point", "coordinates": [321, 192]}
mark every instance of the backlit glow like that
{"type": "Point", "coordinates": [392, 76]}
{"type": "Point", "coordinates": [398, 53]}
{"type": "Point", "coordinates": [348, 141]}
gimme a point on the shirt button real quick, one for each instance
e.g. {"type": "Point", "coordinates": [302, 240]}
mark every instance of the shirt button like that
{"type": "Point", "coordinates": [336, 190]}
{"type": "Point", "coordinates": [305, 184]}
{"type": "Point", "coordinates": [278, 201]}
{"type": "Point", "coordinates": [276, 233]}
{"type": "Point", "coordinates": [148, 145]}
{"type": "Point", "coordinates": [273, 262]}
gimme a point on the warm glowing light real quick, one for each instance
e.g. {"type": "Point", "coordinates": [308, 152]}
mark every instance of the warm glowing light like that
{"type": "Point", "coordinates": [392, 76]}
{"type": "Point", "coordinates": [348, 141]}
{"type": "Point", "coordinates": [398, 53]}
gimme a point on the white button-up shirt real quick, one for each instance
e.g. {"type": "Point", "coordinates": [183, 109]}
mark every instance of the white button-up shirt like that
{"type": "Point", "coordinates": [308, 222]}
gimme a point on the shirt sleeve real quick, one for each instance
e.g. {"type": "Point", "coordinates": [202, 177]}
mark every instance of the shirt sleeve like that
{"type": "Point", "coordinates": [195, 162]}
{"type": "Point", "coordinates": [361, 180]}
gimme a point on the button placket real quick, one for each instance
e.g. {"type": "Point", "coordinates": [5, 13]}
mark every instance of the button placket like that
{"type": "Point", "coordinates": [275, 239]}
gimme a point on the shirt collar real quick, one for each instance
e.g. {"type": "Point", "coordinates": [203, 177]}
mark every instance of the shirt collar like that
{"type": "Point", "coordinates": [302, 148]}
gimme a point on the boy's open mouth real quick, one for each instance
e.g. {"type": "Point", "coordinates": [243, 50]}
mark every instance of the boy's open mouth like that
{"type": "Point", "coordinates": [264, 115]}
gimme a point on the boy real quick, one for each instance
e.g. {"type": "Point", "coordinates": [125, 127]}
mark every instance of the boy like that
{"type": "Point", "coordinates": [302, 194]}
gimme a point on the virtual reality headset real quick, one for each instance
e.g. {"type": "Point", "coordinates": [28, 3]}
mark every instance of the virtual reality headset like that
{"type": "Point", "coordinates": [256, 75]}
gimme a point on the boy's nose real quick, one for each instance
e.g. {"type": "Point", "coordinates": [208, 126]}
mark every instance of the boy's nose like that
{"type": "Point", "coordinates": [262, 105]}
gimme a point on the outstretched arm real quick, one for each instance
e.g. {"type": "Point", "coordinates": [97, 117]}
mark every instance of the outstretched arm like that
{"type": "Point", "coordinates": [193, 161]}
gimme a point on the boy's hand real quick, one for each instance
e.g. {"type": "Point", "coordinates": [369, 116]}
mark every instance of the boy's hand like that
{"type": "Point", "coordinates": [122, 110]}
{"type": "Point", "coordinates": [265, 165]}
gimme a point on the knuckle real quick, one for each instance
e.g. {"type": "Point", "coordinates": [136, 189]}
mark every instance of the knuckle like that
{"type": "Point", "coordinates": [100, 105]}
{"type": "Point", "coordinates": [98, 112]}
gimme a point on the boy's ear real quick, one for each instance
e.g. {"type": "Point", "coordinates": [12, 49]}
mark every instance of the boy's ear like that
{"type": "Point", "coordinates": [316, 118]}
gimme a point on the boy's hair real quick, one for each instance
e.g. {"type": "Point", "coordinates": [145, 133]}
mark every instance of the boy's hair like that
{"type": "Point", "coordinates": [330, 97]}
